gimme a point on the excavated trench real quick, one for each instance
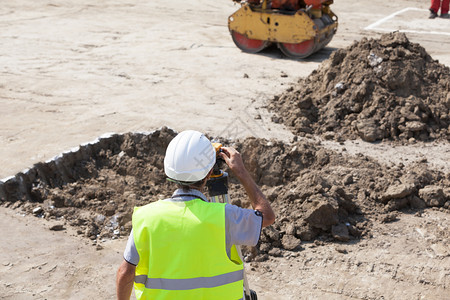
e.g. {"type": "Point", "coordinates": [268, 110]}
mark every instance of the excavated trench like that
{"type": "Point", "coordinates": [317, 194]}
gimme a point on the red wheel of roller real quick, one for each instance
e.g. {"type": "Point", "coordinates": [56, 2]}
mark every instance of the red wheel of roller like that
{"type": "Point", "coordinates": [246, 44]}
{"type": "Point", "coordinates": [300, 50]}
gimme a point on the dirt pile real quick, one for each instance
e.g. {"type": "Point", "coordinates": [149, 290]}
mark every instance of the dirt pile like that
{"type": "Point", "coordinates": [321, 195]}
{"type": "Point", "coordinates": [317, 194]}
{"type": "Point", "coordinates": [387, 88]}
{"type": "Point", "coordinates": [95, 187]}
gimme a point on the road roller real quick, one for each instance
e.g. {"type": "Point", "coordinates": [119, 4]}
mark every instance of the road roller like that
{"type": "Point", "coordinates": [298, 27]}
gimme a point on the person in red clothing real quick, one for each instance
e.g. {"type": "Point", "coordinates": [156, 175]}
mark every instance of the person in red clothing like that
{"type": "Point", "coordinates": [435, 5]}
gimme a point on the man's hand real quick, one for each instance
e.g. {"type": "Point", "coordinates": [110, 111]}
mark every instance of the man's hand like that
{"type": "Point", "coordinates": [259, 202]}
{"type": "Point", "coordinates": [234, 161]}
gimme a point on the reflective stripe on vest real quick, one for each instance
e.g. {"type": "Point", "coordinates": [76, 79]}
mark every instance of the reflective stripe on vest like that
{"type": "Point", "coordinates": [182, 250]}
{"type": "Point", "coordinates": [190, 283]}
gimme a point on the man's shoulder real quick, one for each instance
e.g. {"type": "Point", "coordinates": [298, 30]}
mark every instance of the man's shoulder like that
{"type": "Point", "coordinates": [234, 211]}
{"type": "Point", "coordinates": [232, 207]}
{"type": "Point", "coordinates": [147, 206]}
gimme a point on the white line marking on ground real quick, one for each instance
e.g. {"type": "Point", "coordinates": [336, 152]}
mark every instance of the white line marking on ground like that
{"type": "Point", "coordinates": [373, 26]}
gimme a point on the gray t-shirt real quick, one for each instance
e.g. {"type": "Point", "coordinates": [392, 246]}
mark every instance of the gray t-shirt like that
{"type": "Point", "coordinates": [242, 226]}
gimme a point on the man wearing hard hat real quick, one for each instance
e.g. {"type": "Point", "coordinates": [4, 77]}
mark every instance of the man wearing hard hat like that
{"type": "Point", "coordinates": [183, 247]}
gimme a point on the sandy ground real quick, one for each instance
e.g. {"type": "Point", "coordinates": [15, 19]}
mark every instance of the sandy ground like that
{"type": "Point", "coordinates": [72, 71]}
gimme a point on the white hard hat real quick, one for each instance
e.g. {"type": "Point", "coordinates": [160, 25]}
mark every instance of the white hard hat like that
{"type": "Point", "coordinates": [189, 157]}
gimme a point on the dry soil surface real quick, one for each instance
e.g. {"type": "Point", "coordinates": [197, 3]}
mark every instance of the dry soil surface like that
{"type": "Point", "coordinates": [72, 71]}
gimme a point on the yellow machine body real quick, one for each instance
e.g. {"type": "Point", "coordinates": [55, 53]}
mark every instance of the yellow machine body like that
{"type": "Point", "coordinates": [256, 22]}
{"type": "Point", "coordinates": [272, 26]}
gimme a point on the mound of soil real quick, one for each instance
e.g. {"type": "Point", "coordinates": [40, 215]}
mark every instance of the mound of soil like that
{"type": "Point", "coordinates": [316, 193]}
{"type": "Point", "coordinates": [376, 89]}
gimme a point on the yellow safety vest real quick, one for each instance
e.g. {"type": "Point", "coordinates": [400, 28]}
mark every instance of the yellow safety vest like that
{"type": "Point", "coordinates": [182, 252]}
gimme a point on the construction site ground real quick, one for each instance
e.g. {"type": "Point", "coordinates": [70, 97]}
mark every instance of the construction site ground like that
{"type": "Point", "coordinates": [73, 71]}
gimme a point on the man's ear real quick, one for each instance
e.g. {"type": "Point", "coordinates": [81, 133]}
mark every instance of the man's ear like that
{"type": "Point", "coordinates": [210, 172]}
{"type": "Point", "coordinates": [205, 180]}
